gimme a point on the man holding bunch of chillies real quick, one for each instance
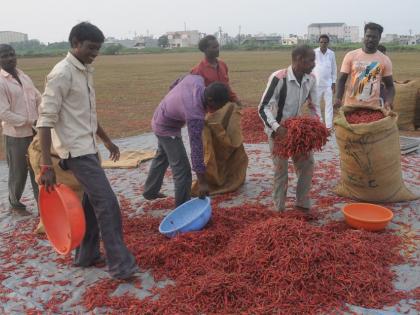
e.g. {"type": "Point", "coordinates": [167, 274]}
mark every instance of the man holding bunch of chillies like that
{"type": "Point", "coordinates": [286, 93]}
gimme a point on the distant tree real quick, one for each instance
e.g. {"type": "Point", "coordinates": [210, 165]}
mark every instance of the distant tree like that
{"type": "Point", "coordinates": [111, 49]}
{"type": "Point", "coordinates": [163, 41]}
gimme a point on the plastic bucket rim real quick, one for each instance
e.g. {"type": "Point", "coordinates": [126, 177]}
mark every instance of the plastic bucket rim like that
{"type": "Point", "coordinates": [60, 196]}
{"type": "Point", "coordinates": [389, 218]}
{"type": "Point", "coordinates": [174, 230]}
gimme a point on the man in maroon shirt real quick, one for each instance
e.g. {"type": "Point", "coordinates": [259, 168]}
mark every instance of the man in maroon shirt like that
{"type": "Point", "coordinates": [213, 69]}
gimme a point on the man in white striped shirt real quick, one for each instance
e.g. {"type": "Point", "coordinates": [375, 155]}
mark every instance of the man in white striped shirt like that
{"type": "Point", "coordinates": [288, 90]}
{"type": "Point", "coordinates": [325, 72]}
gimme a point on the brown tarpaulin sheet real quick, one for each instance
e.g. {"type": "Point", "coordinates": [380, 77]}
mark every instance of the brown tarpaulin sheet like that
{"type": "Point", "coordinates": [224, 154]}
{"type": "Point", "coordinates": [129, 159]}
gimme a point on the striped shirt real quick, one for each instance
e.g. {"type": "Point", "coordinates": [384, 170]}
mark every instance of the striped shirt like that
{"type": "Point", "coordinates": [296, 97]}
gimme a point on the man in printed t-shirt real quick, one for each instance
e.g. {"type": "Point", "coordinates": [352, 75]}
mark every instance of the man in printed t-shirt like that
{"type": "Point", "coordinates": [367, 67]}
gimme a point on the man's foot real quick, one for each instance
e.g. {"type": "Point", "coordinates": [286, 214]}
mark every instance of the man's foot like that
{"type": "Point", "coordinates": [157, 196]}
{"type": "Point", "coordinates": [302, 208]}
{"type": "Point", "coordinates": [20, 212]}
{"type": "Point", "coordinates": [98, 263]}
{"type": "Point", "coordinates": [128, 276]}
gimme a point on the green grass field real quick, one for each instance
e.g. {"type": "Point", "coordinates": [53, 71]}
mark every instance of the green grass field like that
{"type": "Point", "coordinates": [129, 87]}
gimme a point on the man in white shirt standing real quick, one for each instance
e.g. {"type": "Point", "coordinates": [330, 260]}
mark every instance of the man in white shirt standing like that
{"type": "Point", "coordinates": [68, 120]}
{"type": "Point", "coordinates": [19, 100]}
{"type": "Point", "coordinates": [325, 72]}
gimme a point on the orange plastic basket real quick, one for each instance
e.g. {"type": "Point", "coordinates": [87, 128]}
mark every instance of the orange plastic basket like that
{"type": "Point", "coordinates": [63, 218]}
{"type": "Point", "coordinates": [367, 216]}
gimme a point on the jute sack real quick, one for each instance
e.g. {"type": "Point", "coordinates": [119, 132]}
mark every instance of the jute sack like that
{"type": "Point", "coordinates": [224, 153]}
{"type": "Point", "coordinates": [405, 102]}
{"type": "Point", "coordinates": [64, 177]}
{"type": "Point", "coordinates": [370, 159]}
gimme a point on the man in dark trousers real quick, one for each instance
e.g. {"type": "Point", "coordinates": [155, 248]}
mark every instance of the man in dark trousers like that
{"type": "Point", "coordinates": [19, 100]}
{"type": "Point", "coordinates": [68, 119]}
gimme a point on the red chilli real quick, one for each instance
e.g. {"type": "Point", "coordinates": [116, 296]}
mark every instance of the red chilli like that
{"type": "Point", "coordinates": [364, 116]}
{"type": "Point", "coordinates": [304, 134]}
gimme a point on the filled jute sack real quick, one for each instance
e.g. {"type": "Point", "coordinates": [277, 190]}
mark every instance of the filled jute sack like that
{"type": "Point", "coordinates": [405, 103]}
{"type": "Point", "coordinates": [370, 159]}
{"type": "Point", "coordinates": [63, 177]}
{"type": "Point", "coordinates": [224, 153]}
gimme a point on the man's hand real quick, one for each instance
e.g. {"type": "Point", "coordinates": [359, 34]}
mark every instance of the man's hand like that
{"type": "Point", "coordinates": [239, 103]}
{"type": "Point", "coordinates": [338, 103]}
{"type": "Point", "coordinates": [203, 186]}
{"type": "Point", "coordinates": [388, 106]}
{"type": "Point", "coordinates": [114, 151]}
{"type": "Point", "coordinates": [281, 132]}
{"type": "Point", "coordinates": [333, 88]}
{"type": "Point", "coordinates": [47, 178]}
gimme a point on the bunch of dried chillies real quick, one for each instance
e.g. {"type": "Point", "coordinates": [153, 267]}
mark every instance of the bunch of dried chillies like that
{"type": "Point", "coordinates": [304, 134]}
{"type": "Point", "coordinates": [364, 116]}
{"type": "Point", "coordinates": [252, 126]}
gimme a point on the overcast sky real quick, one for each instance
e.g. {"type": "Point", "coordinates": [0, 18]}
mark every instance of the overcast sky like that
{"type": "Point", "coordinates": [51, 20]}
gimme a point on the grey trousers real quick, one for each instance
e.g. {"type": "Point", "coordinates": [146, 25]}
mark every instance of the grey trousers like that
{"type": "Point", "coordinates": [102, 213]}
{"type": "Point", "coordinates": [16, 152]}
{"type": "Point", "coordinates": [171, 152]}
{"type": "Point", "coordinates": [304, 170]}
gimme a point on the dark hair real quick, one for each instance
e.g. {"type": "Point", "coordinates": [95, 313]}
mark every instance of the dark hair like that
{"type": "Point", "coordinates": [6, 47]}
{"type": "Point", "coordinates": [86, 31]}
{"type": "Point", "coordinates": [204, 42]}
{"type": "Point", "coordinates": [324, 36]}
{"type": "Point", "coordinates": [374, 26]}
{"type": "Point", "coordinates": [301, 51]}
{"type": "Point", "coordinates": [218, 92]}
{"type": "Point", "coordinates": [382, 49]}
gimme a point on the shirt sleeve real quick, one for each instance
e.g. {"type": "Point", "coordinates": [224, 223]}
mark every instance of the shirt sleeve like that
{"type": "Point", "coordinates": [6, 114]}
{"type": "Point", "coordinates": [333, 68]}
{"type": "Point", "coordinates": [270, 99]}
{"type": "Point", "coordinates": [346, 65]}
{"type": "Point", "coordinates": [196, 70]}
{"type": "Point", "coordinates": [195, 130]}
{"type": "Point", "coordinates": [313, 102]}
{"type": "Point", "coordinates": [56, 89]}
{"type": "Point", "coordinates": [232, 95]}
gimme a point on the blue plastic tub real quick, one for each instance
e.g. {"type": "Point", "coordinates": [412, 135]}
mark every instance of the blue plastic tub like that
{"type": "Point", "coordinates": [192, 215]}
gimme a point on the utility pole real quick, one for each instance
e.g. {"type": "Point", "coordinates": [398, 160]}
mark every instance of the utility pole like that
{"type": "Point", "coordinates": [239, 35]}
{"type": "Point", "coordinates": [185, 27]}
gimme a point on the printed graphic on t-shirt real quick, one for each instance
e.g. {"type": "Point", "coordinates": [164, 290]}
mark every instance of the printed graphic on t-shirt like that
{"type": "Point", "coordinates": [366, 80]}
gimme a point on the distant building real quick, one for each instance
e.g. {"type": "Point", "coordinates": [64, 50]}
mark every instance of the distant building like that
{"type": "Point", "coordinates": [390, 38]}
{"type": "Point", "coordinates": [183, 39]}
{"type": "Point", "coordinates": [290, 41]}
{"type": "Point", "coordinates": [138, 42]}
{"type": "Point", "coordinates": [338, 32]}
{"type": "Point", "coordinates": [7, 37]}
{"type": "Point", "coordinates": [262, 40]}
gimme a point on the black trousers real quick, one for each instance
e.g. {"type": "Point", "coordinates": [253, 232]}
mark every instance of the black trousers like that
{"type": "Point", "coordinates": [103, 217]}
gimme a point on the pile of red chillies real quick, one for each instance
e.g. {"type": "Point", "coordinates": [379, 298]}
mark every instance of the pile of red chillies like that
{"type": "Point", "coordinates": [304, 134]}
{"type": "Point", "coordinates": [252, 126]}
{"type": "Point", "coordinates": [364, 116]}
{"type": "Point", "coordinates": [254, 261]}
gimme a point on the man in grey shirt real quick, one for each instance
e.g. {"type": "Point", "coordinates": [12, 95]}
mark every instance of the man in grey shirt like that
{"type": "Point", "coordinates": [67, 118]}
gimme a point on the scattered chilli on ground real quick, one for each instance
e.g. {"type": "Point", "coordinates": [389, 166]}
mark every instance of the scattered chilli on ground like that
{"type": "Point", "coordinates": [363, 116]}
{"type": "Point", "coordinates": [252, 126]}
{"type": "Point", "coordinates": [251, 260]}
{"type": "Point", "coordinates": [304, 134]}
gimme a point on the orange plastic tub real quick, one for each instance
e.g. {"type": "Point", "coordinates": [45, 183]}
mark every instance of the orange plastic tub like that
{"type": "Point", "coordinates": [63, 218]}
{"type": "Point", "coordinates": [367, 216]}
